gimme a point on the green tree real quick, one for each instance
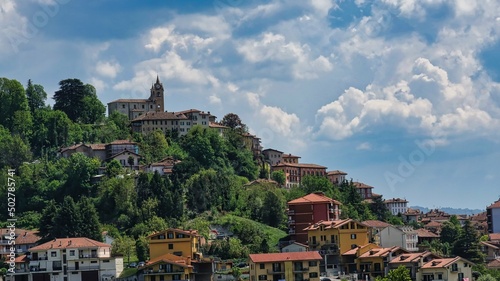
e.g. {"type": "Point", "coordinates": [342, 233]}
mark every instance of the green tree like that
{"type": "Point", "coordinates": [142, 248]}
{"type": "Point", "coordinates": [70, 98]}
{"type": "Point", "coordinates": [80, 171]}
{"type": "Point", "coordinates": [68, 220]}
{"type": "Point", "coordinates": [379, 209]}
{"type": "Point", "coordinates": [274, 214]}
{"type": "Point", "coordinates": [13, 99]}
{"type": "Point", "coordinates": [36, 96]}
{"type": "Point", "coordinates": [113, 168]}
{"type": "Point", "coordinates": [234, 122]}
{"type": "Point", "coordinates": [399, 274]}
{"type": "Point", "coordinates": [486, 277]}
{"type": "Point", "coordinates": [125, 246]}
{"type": "Point", "coordinates": [90, 226]}
{"type": "Point", "coordinates": [279, 177]}
{"type": "Point", "coordinates": [467, 244]}
{"type": "Point", "coordinates": [93, 109]}
{"type": "Point", "coordinates": [13, 149]}
{"type": "Point", "coordinates": [47, 226]}
{"type": "Point", "coordinates": [450, 232]}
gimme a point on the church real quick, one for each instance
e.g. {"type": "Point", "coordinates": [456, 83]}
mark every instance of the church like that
{"type": "Point", "coordinates": [133, 108]}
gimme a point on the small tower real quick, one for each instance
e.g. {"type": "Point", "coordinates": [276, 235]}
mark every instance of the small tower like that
{"type": "Point", "coordinates": [156, 97]}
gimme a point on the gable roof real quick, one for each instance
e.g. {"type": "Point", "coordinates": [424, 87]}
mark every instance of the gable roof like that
{"type": "Point", "coordinates": [123, 152]}
{"type": "Point", "coordinates": [271, 149]}
{"type": "Point", "coordinates": [67, 243]}
{"type": "Point", "coordinates": [27, 237]}
{"type": "Point", "coordinates": [413, 257]}
{"type": "Point", "coordinates": [290, 256]}
{"type": "Point", "coordinates": [176, 230]}
{"type": "Point", "coordinates": [442, 263]}
{"type": "Point", "coordinates": [336, 172]}
{"type": "Point", "coordinates": [122, 142]}
{"type": "Point", "coordinates": [331, 224]}
{"type": "Point", "coordinates": [494, 263]}
{"type": "Point", "coordinates": [495, 205]}
{"type": "Point", "coordinates": [494, 236]}
{"type": "Point", "coordinates": [160, 116]}
{"type": "Point", "coordinates": [376, 223]}
{"type": "Point", "coordinates": [424, 233]}
{"type": "Point", "coordinates": [361, 185]}
{"type": "Point", "coordinates": [382, 252]}
{"type": "Point", "coordinates": [172, 259]}
{"type": "Point", "coordinates": [312, 198]}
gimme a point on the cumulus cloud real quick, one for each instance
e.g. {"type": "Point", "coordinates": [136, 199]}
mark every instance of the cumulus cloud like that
{"type": "Point", "coordinates": [107, 68]}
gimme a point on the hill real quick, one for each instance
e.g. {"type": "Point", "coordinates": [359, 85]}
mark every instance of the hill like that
{"type": "Point", "coordinates": [451, 211]}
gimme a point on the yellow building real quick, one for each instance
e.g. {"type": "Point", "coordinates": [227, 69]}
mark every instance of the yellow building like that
{"type": "Point", "coordinates": [372, 262]}
{"type": "Point", "coordinates": [293, 266]}
{"type": "Point", "coordinates": [178, 242]}
{"type": "Point", "coordinates": [168, 267]}
{"type": "Point", "coordinates": [449, 269]}
{"type": "Point", "coordinates": [337, 236]}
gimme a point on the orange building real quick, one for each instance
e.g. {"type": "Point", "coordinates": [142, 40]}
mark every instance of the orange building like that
{"type": "Point", "coordinates": [294, 172]}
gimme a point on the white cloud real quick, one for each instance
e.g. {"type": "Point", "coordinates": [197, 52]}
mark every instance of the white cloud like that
{"type": "Point", "coordinates": [107, 68]}
{"type": "Point", "coordinates": [364, 146]}
{"type": "Point", "coordinates": [215, 100]}
{"type": "Point", "coordinates": [14, 33]}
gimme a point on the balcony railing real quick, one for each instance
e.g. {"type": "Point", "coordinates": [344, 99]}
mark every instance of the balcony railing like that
{"type": "Point", "coordinates": [163, 271]}
{"type": "Point", "coordinates": [88, 256]}
{"type": "Point", "coordinates": [275, 270]}
{"type": "Point", "coordinates": [87, 267]}
{"type": "Point", "coordinates": [302, 269]}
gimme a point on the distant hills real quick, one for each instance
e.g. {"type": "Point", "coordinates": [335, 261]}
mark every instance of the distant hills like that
{"type": "Point", "coordinates": [451, 211]}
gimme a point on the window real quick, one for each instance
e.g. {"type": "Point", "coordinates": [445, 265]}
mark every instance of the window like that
{"type": "Point", "coordinates": [262, 266]}
{"type": "Point", "coordinates": [170, 235]}
{"type": "Point", "coordinates": [313, 263]}
{"type": "Point", "coordinates": [180, 235]}
{"type": "Point", "coordinates": [353, 236]}
{"type": "Point", "coordinates": [53, 254]}
{"type": "Point", "coordinates": [105, 261]}
{"type": "Point", "coordinates": [151, 106]}
{"type": "Point", "coordinates": [440, 276]}
{"type": "Point", "coordinates": [313, 275]}
{"type": "Point", "coordinates": [135, 106]}
{"type": "Point", "coordinates": [143, 106]}
{"type": "Point", "coordinates": [123, 105]}
{"type": "Point", "coordinates": [170, 246]}
{"type": "Point", "coordinates": [262, 277]}
{"type": "Point", "coordinates": [71, 253]}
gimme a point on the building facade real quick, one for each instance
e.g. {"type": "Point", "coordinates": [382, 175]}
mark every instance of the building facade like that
{"type": "Point", "coordinates": [493, 217]}
{"type": "Point", "coordinates": [397, 206]}
{"type": "Point", "coordinates": [134, 108]}
{"type": "Point", "coordinates": [308, 210]}
{"type": "Point", "coordinates": [295, 172]}
{"type": "Point", "coordinates": [336, 177]}
{"type": "Point", "coordinates": [292, 266]}
{"type": "Point", "coordinates": [404, 236]}
{"type": "Point", "coordinates": [178, 122]}
{"type": "Point", "coordinates": [273, 156]}
{"type": "Point", "coordinates": [68, 259]}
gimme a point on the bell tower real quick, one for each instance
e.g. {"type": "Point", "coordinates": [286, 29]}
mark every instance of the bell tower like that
{"type": "Point", "coordinates": [157, 96]}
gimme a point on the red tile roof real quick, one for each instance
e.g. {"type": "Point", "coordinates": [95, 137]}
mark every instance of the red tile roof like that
{"type": "Point", "coordinates": [336, 172]}
{"type": "Point", "coordinates": [331, 224]}
{"type": "Point", "coordinates": [217, 125]}
{"type": "Point", "coordinates": [381, 252]}
{"type": "Point", "coordinates": [494, 236]}
{"type": "Point", "coordinates": [122, 142]}
{"type": "Point", "coordinates": [129, 100]}
{"type": "Point", "coordinates": [98, 146]}
{"type": "Point", "coordinates": [160, 116]}
{"type": "Point", "coordinates": [494, 264]}
{"type": "Point", "coordinates": [440, 263]}
{"type": "Point", "coordinates": [172, 259]}
{"type": "Point", "coordinates": [21, 259]}
{"type": "Point", "coordinates": [27, 237]}
{"type": "Point", "coordinates": [376, 224]}
{"type": "Point", "coordinates": [434, 224]}
{"type": "Point", "coordinates": [361, 185]}
{"type": "Point", "coordinates": [65, 243]}
{"type": "Point", "coordinates": [291, 256]}
{"type": "Point", "coordinates": [494, 205]}
{"type": "Point", "coordinates": [314, 198]}
{"type": "Point", "coordinates": [410, 212]}
{"type": "Point", "coordinates": [424, 233]}
{"type": "Point", "coordinates": [412, 257]}
{"type": "Point", "coordinates": [300, 165]}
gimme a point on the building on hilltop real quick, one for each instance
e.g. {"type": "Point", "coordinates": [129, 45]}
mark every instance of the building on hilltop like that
{"type": "Point", "coordinates": [308, 210]}
{"type": "Point", "coordinates": [24, 239]}
{"type": "Point", "coordinates": [133, 108]}
{"type": "Point", "coordinates": [402, 236]}
{"type": "Point", "coordinates": [295, 172]}
{"type": "Point", "coordinates": [336, 177]}
{"type": "Point", "coordinates": [396, 205]}
{"type": "Point", "coordinates": [79, 259]}
{"type": "Point", "coordinates": [493, 217]}
{"type": "Point", "coordinates": [272, 156]}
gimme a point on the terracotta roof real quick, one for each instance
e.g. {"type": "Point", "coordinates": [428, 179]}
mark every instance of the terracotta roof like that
{"type": "Point", "coordinates": [376, 224]}
{"type": "Point", "coordinates": [440, 263]}
{"type": "Point", "coordinates": [129, 100]}
{"type": "Point", "coordinates": [331, 224]}
{"type": "Point", "coordinates": [172, 259]}
{"type": "Point", "coordinates": [479, 217]}
{"type": "Point", "coordinates": [122, 142]}
{"type": "Point", "coordinates": [494, 205]}
{"type": "Point", "coordinates": [490, 245]}
{"type": "Point", "coordinates": [494, 236]}
{"type": "Point", "coordinates": [300, 165]}
{"type": "Point", "coordinates": [411, 211]}
{"type": "Point", "coordinates": [123, 152]}
{"type": "Point", "coordinates": [72, 147]}
{"type": "Point", "coordinates": [270, 149]}
{"type": "Point", "coordinates": [361, 185]}
{"type": "Point", "coordinates": [216, 125]}
{"type": "Point", "coordinates": [395, 200]}
{"type": "Point", "coordinates": [169, 161]}
{"type": "Point", "coordinates": [66, 243]}
{"type": "Point", "coordinates": [314, 198]}
{"type": "Point", "coordinates": [424, 233]}
{"type": "Point", "coordinates": [97, 146]}
{"type": "Point", "coordinates": [22, 259]}
{"type": "Point", "coordinates": [434, 224]}
{"type": "Point", "coordinates": [290, 256]}
{"type": "Point", "coordinates": [336, 172]}
{"type": "Point", "coordinates": [381, 252]}
{"type": "Point", "coordinates": [412, 257]}
{"type": "Point", "coordinates": [160, 116]}
{"type": "Point", "coordinates": [494, 263]}
{"type": "Point", "coordinates": [27, 237]}
{"type": "Point", "coordinates": [290, 156]}
{"type": "Point", "coordinates": [176, 230]}
{"type": "Point", "coordinates": [351, 252]}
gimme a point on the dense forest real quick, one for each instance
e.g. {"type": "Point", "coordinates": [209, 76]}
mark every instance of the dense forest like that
{"type": "Point", "coordinates": [214, 182]}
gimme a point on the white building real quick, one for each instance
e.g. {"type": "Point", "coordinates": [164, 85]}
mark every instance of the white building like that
{"type": "Point", "coordinates": [397, 205]}
{"type": "Point", "coordinates": [404, 236]}
{"type": "Point", "coordinates": [68, 259]}
{"type": "Point", "coordinates": [493, 217]}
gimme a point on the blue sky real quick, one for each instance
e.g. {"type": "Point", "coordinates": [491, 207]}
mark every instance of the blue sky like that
{"type": "Point", "coordinates": [403, 95]}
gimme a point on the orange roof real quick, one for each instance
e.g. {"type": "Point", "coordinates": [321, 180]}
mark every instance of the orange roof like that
{"type": "Point", "coordinates": [494, 205]}
{"type": "Point", "coordinates": [336, 172]}
{"type": "Point", "coordinates": [21, 259]}
{"type": "Point", "coordinates": [129, 100]}
{"type": "Point", "coordinates": [494, 236]}
{"type": "Point", "coordinates": [314, 198]}
{"type": "Point", "coordinates": [381, 252]}
{"type": "Point", "coordinates": [291, 256]}
{"type": "Point", "coordinates": [331, 224]}
{"type": "Point", "coordinates": [27, 237]}
{"type": "Point", "coordinates": [216, 125]}
{"type": "Point", "coordinates": [410, 211]}
{"type": "Point", "coordinates": [300, 165]}
{"type": "Point", "coordinates": [172, 259]}
{"type": "Point", "coordinates": [376, 224]}
{"type": "Point", "coordinates": [434, 224]}
{"type": "Point", "coordinates": [395, 200]}
{"type": "Point", "coordinates": [412, 257]}
{"type": "Point", "coordinates": [361, 185]}
{"type": "Point", "coordinates": [424, 233]}
{"type": "Point", "coordinates": [98, 146]}
{"type": "Point", "coordinates": [441, 263]}
{"type": "Point", "coordinates": [494, 263]}
{"type": "Point", "coordinates": [161, 116]}
{"type": "Point", "coordinates": [122, 142]}
{"type": "Point", "coordinates": [187, 232]}
{"type": "Point", "coordinates": [66, 243]}
{"type": "Point", "coordinates": [351, 252]}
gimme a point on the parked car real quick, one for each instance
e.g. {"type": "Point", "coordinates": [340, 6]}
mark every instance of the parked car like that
{"type": "Point", "coordinates": [132, 265]}
{"type": "Point", "coordinates": [141, 264]}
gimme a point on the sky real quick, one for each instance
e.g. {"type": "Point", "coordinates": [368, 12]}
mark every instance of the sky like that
{"type": "Point", "coordinates": [403, 95]}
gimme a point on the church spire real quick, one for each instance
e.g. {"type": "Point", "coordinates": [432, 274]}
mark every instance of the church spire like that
{"type": "Point", "coordinates": [157, 79]}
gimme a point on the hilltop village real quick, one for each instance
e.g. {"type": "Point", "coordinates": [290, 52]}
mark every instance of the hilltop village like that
{"type": "Point", "coordinates": [151, 194]}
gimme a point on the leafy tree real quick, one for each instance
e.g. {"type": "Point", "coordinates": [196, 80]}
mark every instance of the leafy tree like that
{"type": "Point", "coordinates": [449, 233]}
{"type": "Point", "coordinates": [236, 272]}
{"type": "Point", "coordinates": [70, 98]}
{"type": "Point", "coordinates": [80, 171]}
{"type": "Point", "coordinates": [399, 274]}
{"type": "Point", "coordinates": [142, 248]}
{"type": "Point", "coordinates": [233, 121]}
{"type": "Point", "coordinates": [13, 99]}
{"type": "Point", "coordinates": [274, 215]}
{"type": "Point", "coordinates": [467, 245]}
{"type": "Point", "coordinates": [47, 226]}
{"type": "Point", "coordinates": [123, 245]}
{"type": "Point", "coordinates": [486, 277]}
{"type": "Point", "coordinates": [36, 96]}
{"type": "Point", "coordinates": [53, 131]}
{"type": "Point", "coordinates": [68, 220]}
{"type": "Point", "coordinates": [113, 168]}
{"type": "Point", "coordinates": [13, 149]}
{"type": "Point", "coordinates": [154, 146]}
{"type": "Point", "coordinates": [279, 177]}
{"type": "Point", "coordinates": [379, 209]}
{"type": "Point", "coordinates": [93, 109]}
{"type": "Point", "coordinates": [90, 226]}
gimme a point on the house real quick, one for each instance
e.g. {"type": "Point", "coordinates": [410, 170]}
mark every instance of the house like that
{"type": "Point", "coordinates": [134, 108]}
{"type": "Point", "coordinates": [490, 250]}
{"type": "Point", "coordinates": [434, 227]}
{"type": "Point", "coordinates": [337, 177]}
{"type": "Point", "coordinates": [298, 266]}
{"type": "Point", "coordinates": [76, 258]}
{"type": "Point", "coordinates": [308, 210]}
{"type": "Point", "coordinates": [220, 129]}
{"type": "Point", "coordinates": [127, 159]}
{"type": "Point", "coordinates": [435, 215]}
{"type": "Point", "coordinates": [494, 264]}
{"type": "Point", "coordinates": [412, 215]}
{"type": "Point", "coordinates": [424, 235]}
{"type": "Point", "coordinates": [349, 263]}
{"type": "Point", "coordinates": [168, 267]}
{"type": "Point", "coordinates": [175, 241]}
{"type": "Point", "coordinates": [364, 190]}
{"type": "Point", "coordinates": [295, 247]}
{"type": "Point", "coordinates": [333, 238]}
{"type": "Point", "coordinates": [97, 150]}
{"type": "Point", "coordinates": [413, 262]}
{"type": "Point", "coordinates": [295, 172]}
{"type": "Point", "coordinates": [374, 262]}
{"type": "Point", "coordinates": [403, 236]}
{"type": "Point", "coordinates": [273, 156]}
{"type": "Point", "coordinates": [456, 268]}
{"type": "Point", "coordinates": [480, 222]}
{"type": "Point", "coordinates": [396, 205]}
{"type": "Point", "coordinates": [375, 227]}
{"type": "Point", "coordinates": [494, 238]}
{"type": "Point", "coordinates": [23, 239]}
{"type": "Point", "coordinates": [252, 143]}
{"type": "Point", "coordinates": [163, 167]}
{"type": "Point", "coordinates": [180, 122]}
{"type": "Point", "coordinates": [493, 217]}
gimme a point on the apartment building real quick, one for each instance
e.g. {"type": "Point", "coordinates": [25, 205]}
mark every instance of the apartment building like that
{"type": "Point", "coordinates": [336, 177]}
{"type": "Point", "coordinates": [180, 122]}
{"type": "Point", "coordinates": [169, 267]}
{"type": "Point", "coordinates": [292, 266]}
{"type": "Point", "coordinates": [374, 262]}
{"type": "Point", "coordinates": [68, 259]}
{"type": "Point", "coordinates": [364, 190]}
{"type": "Point", "coordinates": [375, 227]}
{"type": "Point", "coordinates": [493, 217]}
{"type": "Point", "coordinates": [23, 240]}
{"type": "Point", "coordinates": [413, 262]}
{"type": "Point", "coordinates": [402, 236]}
{"type": "Point", "coordinates": [308, 210]}
{"type": "Point", "coordinates": [397, 206]}
{"type": "Point", "coordinates": [294, 172]}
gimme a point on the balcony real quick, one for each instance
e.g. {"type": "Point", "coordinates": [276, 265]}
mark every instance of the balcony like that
{"type": "Point", "coordinates": [83, 268]}
{"type": "Point", "coordinates": [275, 271]}
{"type": "Point", "coordinates": [303, 269]}
{"type": "Point", "coordinates": [313, 243]}
{"type": "Point", "coordinates": [88, 256]}
{"type": "Point", "coordinates": [291, 212]}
